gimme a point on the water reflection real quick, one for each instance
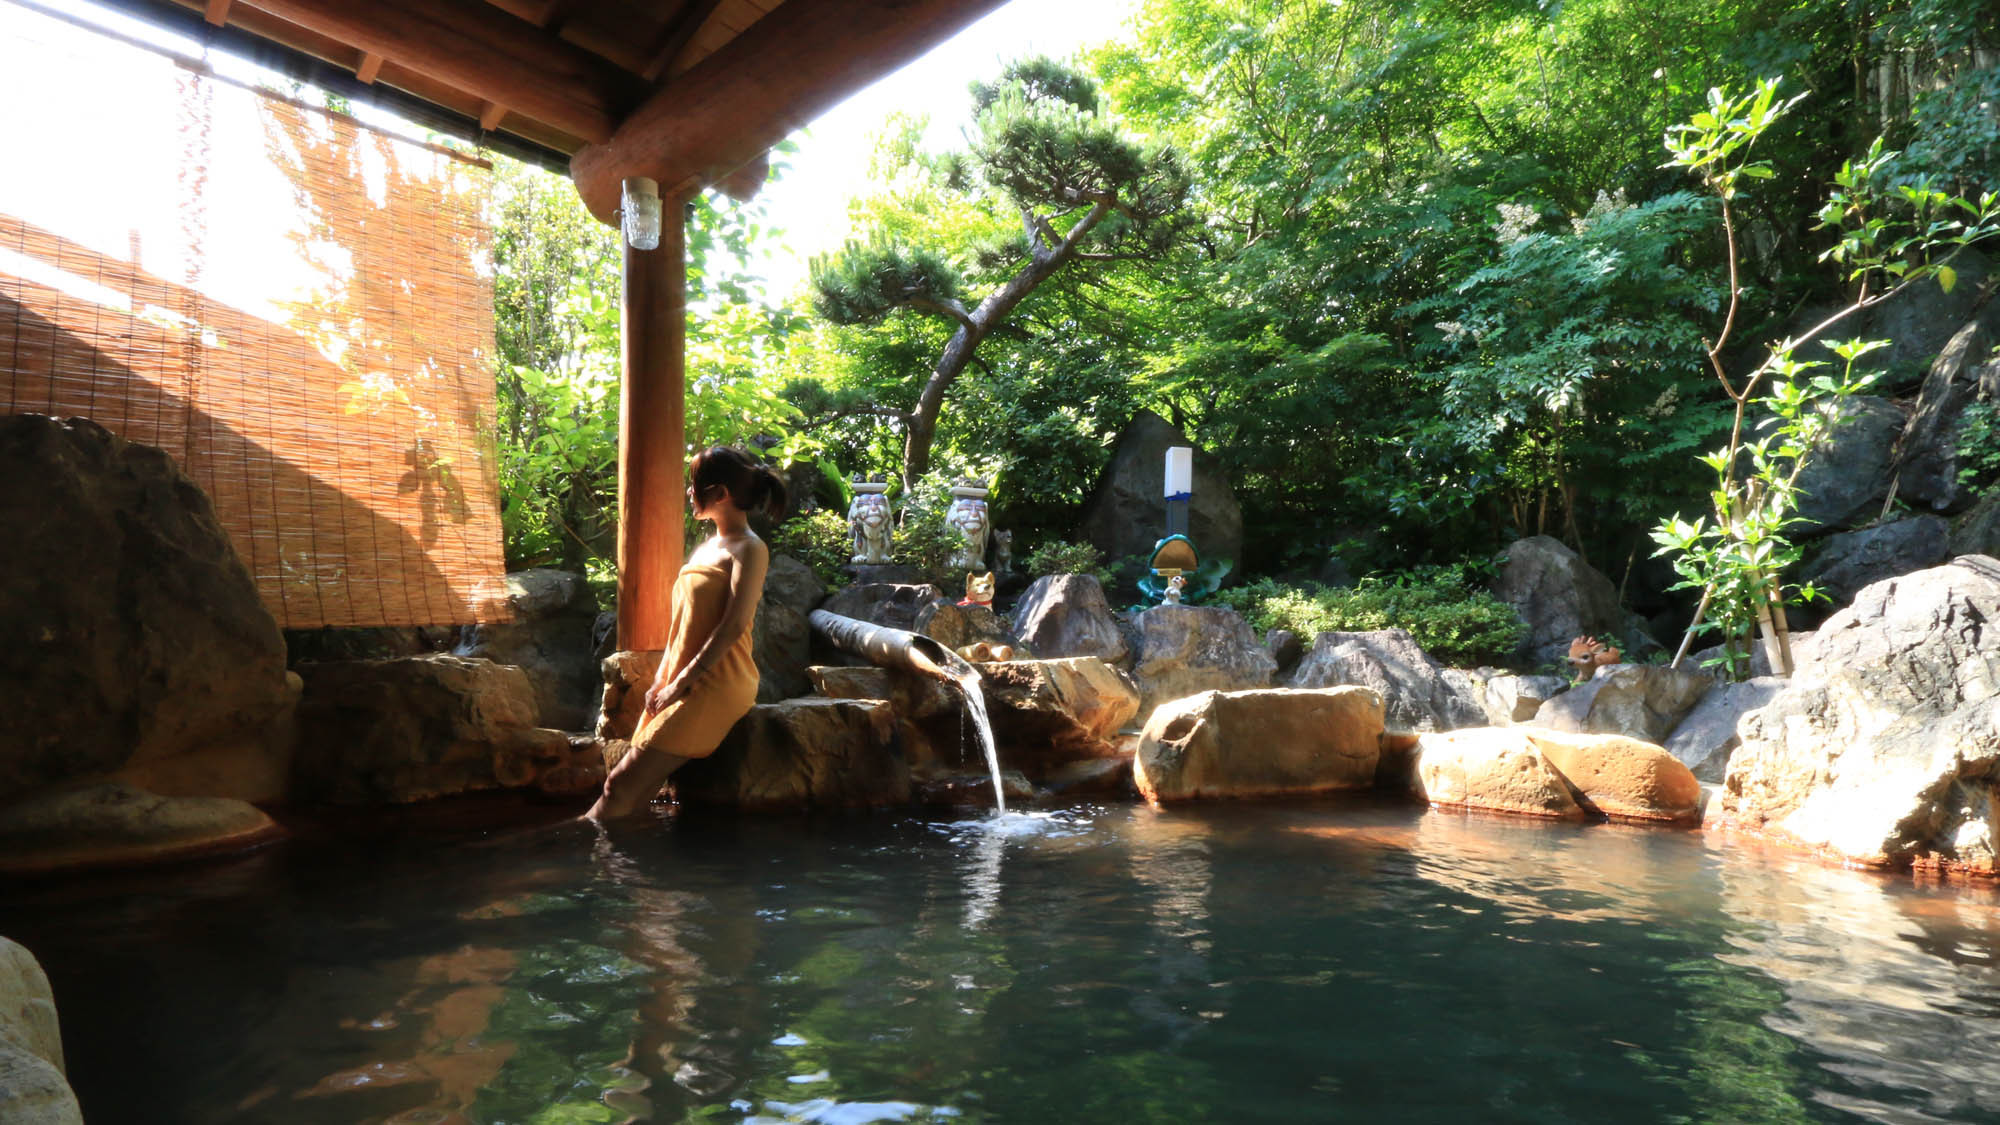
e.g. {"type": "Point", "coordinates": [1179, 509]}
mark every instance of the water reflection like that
{"type": "Point", "coordinates": [1265, 962]}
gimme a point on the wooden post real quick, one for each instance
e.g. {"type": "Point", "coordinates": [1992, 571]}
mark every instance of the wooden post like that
{"type": "Point", "coordinates": [651, 416]}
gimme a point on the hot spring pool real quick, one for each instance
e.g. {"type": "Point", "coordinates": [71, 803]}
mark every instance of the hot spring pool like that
{"type": "Point", "coordinates": [1353, 961]}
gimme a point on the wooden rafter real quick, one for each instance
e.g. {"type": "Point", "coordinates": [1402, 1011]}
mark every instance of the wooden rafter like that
{"type": "Point", "coordinates": [676, 35]}
{"type": "Point", "coordinates": [217, 12]}
{"type": "Point", "coordinates": [370, 68]}
{"type": "Point", "coordinates": [475, 47]}
{"type": "Point", "coordinates": [490, 114]}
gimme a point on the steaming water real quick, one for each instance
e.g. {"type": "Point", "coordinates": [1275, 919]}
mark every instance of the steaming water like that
{"type": "Point", "coordinates": [975, 707]}
{"type": "Point", "coordinates": [1363, 962]}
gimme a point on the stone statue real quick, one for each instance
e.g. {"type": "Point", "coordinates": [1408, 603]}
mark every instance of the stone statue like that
{"type": "Point", "coordinates": [868, 520]}
{"type": "Point", "coordinates": [968, 515]}
{"type": "Point", "coordinates": [1003, 552]}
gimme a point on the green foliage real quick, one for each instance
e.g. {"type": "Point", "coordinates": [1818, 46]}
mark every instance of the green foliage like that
{"type": "Point", "coordinates": [1441, 607]}
{"type": "Point", "coordinates": [1979, 444]}
{"type": "Point", "coordinates": [821, 539]}
{"type": "Point", "coordinates": [866, 280]}
{"type": "Point", "coordinates": [1061, 556]}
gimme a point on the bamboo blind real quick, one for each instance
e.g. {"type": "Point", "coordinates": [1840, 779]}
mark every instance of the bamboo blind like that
{"type": "Point", "coordinates": [302, 316]}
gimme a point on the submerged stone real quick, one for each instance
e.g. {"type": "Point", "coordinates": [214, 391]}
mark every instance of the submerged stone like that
{"type": "Point", "coordinates": [119, 825]}
{"type": "Point", "coordinates": [1493, 769]}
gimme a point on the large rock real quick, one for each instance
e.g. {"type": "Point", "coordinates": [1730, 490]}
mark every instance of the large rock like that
{"type": "Point", "coordinates": [27, 1007]}
{"type": "Point", "coordinates": [1622, 778]}
{"type": "Point", "coordinates": [549, 640]}
{"type": "Point", "coordinates": [626, 675]}
{"type": "Point", "coordinates": [1842, 564]}
{"type": "Point", "coordinates": [883, 603]}
{"type": "Point", "coordinates": [1260, 744]}
{"type": "Point", "coordinates": [419, 727]}
{"type": "Point", "coordinates": [117, 825]}
{"type": "Point", "coordinates": [1886, 748]}
{"type": "Point", "coordinates": [1049, 713]}
{"type": "Point", "coordinates": [1493, 769]}
{"type": "Point", "coordinates": [1066, 615]}
{"type": "Point", "coordinates": [1977, 531]}
{"type": "Point", "coordinates": [781, 644]}
{"type": "Point", "coordinates": [1921, 321]}
{"type": "Point", "coordinates": [802, 754]}
{"type": "Point", "coordinates": [791, 582]}
{"type": "Point", "coordinates": [1707, 736]}
{"type": "Point", "coordinates": [1418, 692]}
{"type": "Point", "coordinates": [1509, 698]}
{"type": "Point", "coordinates": [133, 632]}
{"type": "Point", "coordinates": [1927, 466]}
{"type": "Point", "coordinates": [1122, 517]}
{"type": "Point", "coordinates": [33, 1091]}
{"type": "Point", "coordinates": [956, 626]}
{"type": "Point", "coordinates": [1643, 701]}
{"type": "Point", "coordinates": [1848, 474]}
{"type": "Point", "coordinates": [1182, 650]}
{"type": "Point", "coordinates": [1559, 596]}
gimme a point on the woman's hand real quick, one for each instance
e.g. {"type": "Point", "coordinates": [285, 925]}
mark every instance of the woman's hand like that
{"type": "Point", "coordinates": [661, 696]}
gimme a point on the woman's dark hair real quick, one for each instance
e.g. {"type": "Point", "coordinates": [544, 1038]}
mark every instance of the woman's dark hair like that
{"type": "Point", "coordinates": [722, 469]}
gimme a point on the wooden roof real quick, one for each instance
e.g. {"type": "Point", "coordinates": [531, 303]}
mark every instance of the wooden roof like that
{"type": "Point", "coordinates": [547, 80]}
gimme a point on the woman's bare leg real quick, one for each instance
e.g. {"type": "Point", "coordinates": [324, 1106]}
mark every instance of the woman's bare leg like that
{"type": "Point", "coordinates": [632, 785]}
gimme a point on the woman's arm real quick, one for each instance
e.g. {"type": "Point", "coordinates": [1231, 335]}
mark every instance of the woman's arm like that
{"type": "Point", "coordinates": [746, 588]}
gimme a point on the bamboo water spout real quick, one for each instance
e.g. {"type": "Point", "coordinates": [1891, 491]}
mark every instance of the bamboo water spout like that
{"type": "Point", "coordinates": [900, 648]}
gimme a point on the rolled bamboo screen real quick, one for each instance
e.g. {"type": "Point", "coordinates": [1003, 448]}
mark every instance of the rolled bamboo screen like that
{"type": "Point", "coordinates": [299, 309]}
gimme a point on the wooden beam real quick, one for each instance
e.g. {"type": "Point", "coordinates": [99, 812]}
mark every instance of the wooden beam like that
{"type": "Point", "coordinates": [555, 14]}
{"type": "Point", "coordinates": [783, 71]}
{"type": "Point", "coordinates": [217, 13]}
{"type": "Point", "coordinates": [490, 114]}
{"type": "Point", "coordinates": [473, 46]}
{"type": "Point", "coordinates": [371, 66]}
{"type": "Point", "coordinates": [652, 421]}
{"type": "Point", "coordinates": [674, 37]}
{"type": "Point", "coordinates": [743, 184]}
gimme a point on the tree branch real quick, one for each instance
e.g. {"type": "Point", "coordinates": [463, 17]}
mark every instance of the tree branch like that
{"type": "Point", "coordinates": [951, 309]}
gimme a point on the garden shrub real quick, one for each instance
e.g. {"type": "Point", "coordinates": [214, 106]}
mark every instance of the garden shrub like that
{"type": "Point", "coordinates": [1439, 606]}
{"type": "Point", "coordinates": [1061, 556]}
{"type": "Point", "coordinates": [821, 540]}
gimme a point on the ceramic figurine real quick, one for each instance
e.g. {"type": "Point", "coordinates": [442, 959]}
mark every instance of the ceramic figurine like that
{"type": "Point", "coordinates": [1588, 654]}
{"type": "Point", "coordinates": [979, 589]}
{"type": "Point", "coordinates": [1174, 587]}
{"type": "Point", "coordinates": [868, 520]}
{"type": "Point", "coordinates": [968, 516]}
{"type": "Point", "coordinates": [1003, 552]}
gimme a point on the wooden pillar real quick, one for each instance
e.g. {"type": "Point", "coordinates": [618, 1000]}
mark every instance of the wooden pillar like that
{"type": "Point", "coordinates": [652, 413]}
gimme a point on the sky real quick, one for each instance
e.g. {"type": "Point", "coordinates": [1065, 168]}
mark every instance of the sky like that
{"type": "Point", "coordinates": [831, 166]}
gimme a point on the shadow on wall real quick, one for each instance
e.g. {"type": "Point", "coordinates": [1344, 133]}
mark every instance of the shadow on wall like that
{"type": "Point", "coordinates": [308, 488]}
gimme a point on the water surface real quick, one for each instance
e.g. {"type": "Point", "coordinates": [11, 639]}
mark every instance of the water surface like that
{"type": "Point", "coordinates": [1326, 962]}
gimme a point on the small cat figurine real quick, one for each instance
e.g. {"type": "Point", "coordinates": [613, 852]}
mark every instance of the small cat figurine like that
{"type": "Point", "coordinates": [1003, 552]}
{"type": "Point", "coordinates": [978, 589]}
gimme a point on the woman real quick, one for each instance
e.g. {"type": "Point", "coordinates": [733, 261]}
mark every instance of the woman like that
{"type": "Point", "coordinates": [707, 679]}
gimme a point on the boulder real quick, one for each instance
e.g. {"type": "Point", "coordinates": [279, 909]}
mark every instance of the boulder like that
{"type": "Point", "coordinates": [419, 727]}
{"type": "Point", "coordinates": [33, 1091]}
{"type": "Point", "coordinates": [1286, 650]}
{"type": "Point", "coordinates": [134, 633]}
{"type": "Point", "coordinates": [956, 626]}
{"type": "Point", "coordinates": [1183, 649]}
{"type": "Point", "coordinates": [1492, 769]}
{"type": "Point", "coordinates": [882, 603]}
{"type": "Point", "coordinates": [928, 712]}
{"type": "Point", "coordinates": [781, 644]}
{"type": "Point", "coordinates": [1921, 321]}
{"type": "Point", "coordinates": [550, 641]}
{"type": "Point", "coordinates": [1707, 736]}
{"type": "Point", "coordinates": [27, 1007]}
{"type": "Point", "coordinates": [1122, 517]}
{"type": "Point", "coordinates": [1886, 747]}
{"type": "Point", "coordinates": [1066, 615]}
{"type": "Point", "coordinates": [1622, 778]}
{"type": "Point", "coordinates": [1643, 701]}
{"type": "Point", "coordinates": [792, 583]}
{"type": "Point", "coordinates": [1842, 564]}
{"type": "Point", "coordinates": [1418, 692]}
{"type": "Point", "coordinates": [1274, 742]}
{"type": "Point", "coordinates": [1848, 474]}
{"type": "Point", "coordinates": [802, 754]}
{"type": "Point", "coordinates": [1049, 713]}
{"type": "Point", "coordinates": [1509, 698]}
{"type": "Point", "coordinates": [1927, 466]}
{"type": "Point", "coordinates": [113, 824]}
{"type": "Point", "coordinates": [1559, 596]}
{"type": "Point", "coordinates": [626, 677]}
{"type": "Point", "coordinates": [1977, 531]}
